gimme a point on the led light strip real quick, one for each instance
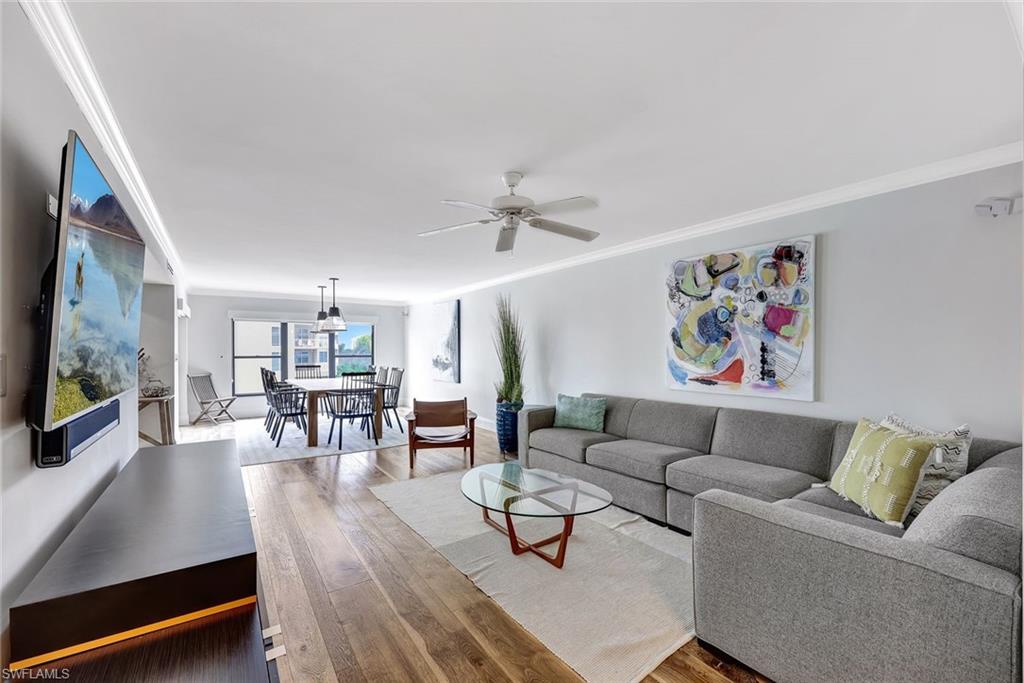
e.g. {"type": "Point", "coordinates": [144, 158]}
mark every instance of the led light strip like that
{"type": "Point", "coordinates": [130, 633]}
{"type": "Point", "coordinates": [57, 30]}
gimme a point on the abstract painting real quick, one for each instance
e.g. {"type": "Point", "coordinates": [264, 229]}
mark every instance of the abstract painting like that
{"type": "Point", "coordinates": [742, 321]}
{"type": "Point", "coordinates": [445, 361]}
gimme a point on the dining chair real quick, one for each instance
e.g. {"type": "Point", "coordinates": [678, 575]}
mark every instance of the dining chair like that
{"type": "Point", "coordinates": [441, 424]}
{"type": "Point", "coordinates": [354, 400]}
{"type": "Point", "coordinates": [382, 374]}
{"type": "Point", "coordinates": [308, 371]}
{"type": "Point", "coordinates": [394, 387]}
{"type": "Point", "coordinates": [289, 406]}
{"type": "Point", "coordinates": [209, 400]}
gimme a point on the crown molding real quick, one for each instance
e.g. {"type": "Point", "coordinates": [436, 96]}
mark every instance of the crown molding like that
{"type": "Point", "coordinates": [280, 296]}
{"type": "Point", "coordinates": [920, 175]}
{"type": "Point", "coordinates": [53, 22]}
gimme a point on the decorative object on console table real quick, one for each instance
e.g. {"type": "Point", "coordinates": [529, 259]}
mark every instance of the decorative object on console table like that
{"type": "Point", "coordinates": [446, 359]}
{"type": "Point", "coordinates": [150, 386]}
{"type": "Point", "coordinates": [510, 347]}
{"type": "Point", "coordinates": [742, 321]}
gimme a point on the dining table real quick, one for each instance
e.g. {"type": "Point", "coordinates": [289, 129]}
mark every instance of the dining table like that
{"type": "Point", "coordinates": [317, 387]}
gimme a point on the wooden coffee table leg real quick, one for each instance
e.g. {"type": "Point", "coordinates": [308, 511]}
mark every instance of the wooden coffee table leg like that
{"type": "Point", "coordinates": [519, 547]}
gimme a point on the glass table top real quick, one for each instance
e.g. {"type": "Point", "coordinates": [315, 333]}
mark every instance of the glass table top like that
{"type": "Point", "coordinates": [507, 487]}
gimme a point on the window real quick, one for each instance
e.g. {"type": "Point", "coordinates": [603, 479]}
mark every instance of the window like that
{"type": "Point", "coordinates": [281, 346]}
{"type": "Point", "coordinates": [257, 344]}
{"type": "Point", "coordinates": [307, 348]}
{"type": "Point", "coordinates": [353, 348]}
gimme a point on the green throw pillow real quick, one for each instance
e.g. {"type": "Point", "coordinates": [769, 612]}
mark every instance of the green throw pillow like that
{"type": "Point", "coordinates": [578, 412]}
{"type": "Point", "coordinates": [882, 470]}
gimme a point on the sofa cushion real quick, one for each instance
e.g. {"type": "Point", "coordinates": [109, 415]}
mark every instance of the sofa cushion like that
{"type": "Point", "coordinates": [978, 516]}
{"type": "Point", "coordinates": [705, 472]}
{"type": "Point", "coordinates": [568, 443]}
{"type": "Point", "coordinates": [854, 518]}
{"type": "Point", "coordinates": [797, 443]}
{"type": "Point", "coordinates": [673, 424]}
{"type": "Point", "coordinates": [617, 412]}
{"type": "Point", "coordinates": [641, 459]}
{"type": "Point", "coordinates": [826, 497]}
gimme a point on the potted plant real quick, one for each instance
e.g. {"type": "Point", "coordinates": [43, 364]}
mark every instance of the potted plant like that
{"type": "Point", "coordinates": [508, 343]}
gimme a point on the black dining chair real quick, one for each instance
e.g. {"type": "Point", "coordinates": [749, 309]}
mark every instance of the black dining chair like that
{"type": "Point", "coordinates": [353, 401]}
{"type": "Point", "coordinates": [289, 406]}
{"type": "Point", "coordinates": [312, 371]}
{"type": "Point", "coordinates": [309, 371]}
{"type": "Point", "coordinates": [394, 387]}
{"type": "Point", "coordinates": [270, 382]}
{"type": "Point", "coordinates": [381, 374]}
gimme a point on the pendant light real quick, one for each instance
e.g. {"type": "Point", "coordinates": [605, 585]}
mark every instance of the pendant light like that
{"type": "Point", "coordinates": [334, 322]}
{"type": "Point", "coordinates": [322, 315]}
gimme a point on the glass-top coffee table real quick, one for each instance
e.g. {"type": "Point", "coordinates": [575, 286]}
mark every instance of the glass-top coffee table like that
{"type": "Point", "coordinates": [509, 489]}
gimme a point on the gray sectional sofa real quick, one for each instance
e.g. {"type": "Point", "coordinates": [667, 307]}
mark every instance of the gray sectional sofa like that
{"type": "Point", "coordinates": [792, 580]}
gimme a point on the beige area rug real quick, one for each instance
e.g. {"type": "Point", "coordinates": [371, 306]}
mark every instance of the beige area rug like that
{"type": "Point", "coordinates": [622, 603]}
{"type": "Point", "coordinates": [255, 446]}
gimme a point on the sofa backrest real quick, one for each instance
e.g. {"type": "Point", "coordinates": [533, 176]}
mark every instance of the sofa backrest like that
{"type": "Point", "coordinates": [840, 442]}
{"type": "Point", "coordinates": [798, 443]}
{"type": "Point", "coordinates": [673, 424]}
{"type": "Point", "coordinates": [616, 414]}
{"type": "Point", "coordinates": [983, 449]}
{"type": "Point", "coordinates": [1010, 459]}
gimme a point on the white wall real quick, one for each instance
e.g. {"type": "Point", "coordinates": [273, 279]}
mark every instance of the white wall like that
{"type": "Point", "coordinates": [918, 311]}
{"type": "Point", "coordinates": [39, 507]}
{"type": "Point", "coordinates": [209, 336]}
{"type": "Point", "coordinates": [157, 338]}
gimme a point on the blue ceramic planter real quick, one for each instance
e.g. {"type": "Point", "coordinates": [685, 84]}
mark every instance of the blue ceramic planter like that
{"type": "Point", "coordinates": [506, 423]}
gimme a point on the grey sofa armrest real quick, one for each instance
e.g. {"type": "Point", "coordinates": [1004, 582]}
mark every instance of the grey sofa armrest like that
{"type": "Point", "coordinates": [804, 598]}
{"type": "Point", "coordinates": [532, 418]}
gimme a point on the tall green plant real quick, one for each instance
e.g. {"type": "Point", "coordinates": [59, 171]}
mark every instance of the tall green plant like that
{"type": "Point", "coordinates": [509, 345]}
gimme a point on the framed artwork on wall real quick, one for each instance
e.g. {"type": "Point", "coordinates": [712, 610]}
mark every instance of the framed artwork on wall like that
{"type": "Point", "coordinates": [445, 358]}
{"type": "Point", "coordinates": [742, 321]}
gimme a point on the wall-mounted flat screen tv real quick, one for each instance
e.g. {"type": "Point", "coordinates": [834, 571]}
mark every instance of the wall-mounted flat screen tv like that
{"type": "Point", "coordinates": [92, 297]}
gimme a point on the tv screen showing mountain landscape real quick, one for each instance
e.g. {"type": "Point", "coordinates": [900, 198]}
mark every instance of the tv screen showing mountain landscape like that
{"type": "Point", "coordinates": [100, 297]}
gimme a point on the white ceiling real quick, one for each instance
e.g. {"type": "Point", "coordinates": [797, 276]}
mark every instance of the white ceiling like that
{"type": "Point", "coordinates": [287, 143]}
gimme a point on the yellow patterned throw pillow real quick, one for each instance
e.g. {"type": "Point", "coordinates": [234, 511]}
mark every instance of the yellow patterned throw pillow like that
{"type": "Point", "coordinates": [882, 470]}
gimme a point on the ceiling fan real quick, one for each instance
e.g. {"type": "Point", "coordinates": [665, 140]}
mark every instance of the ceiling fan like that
{"type": "Point", "coordinates": [510, 210]}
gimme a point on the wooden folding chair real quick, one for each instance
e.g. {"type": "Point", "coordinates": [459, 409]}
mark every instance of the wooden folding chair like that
{"type": "Point", "coordinates": [206, 395]}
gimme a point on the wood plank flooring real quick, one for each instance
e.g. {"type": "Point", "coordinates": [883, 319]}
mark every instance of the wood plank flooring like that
{"type": "Point", "coordinates": [360, 597]}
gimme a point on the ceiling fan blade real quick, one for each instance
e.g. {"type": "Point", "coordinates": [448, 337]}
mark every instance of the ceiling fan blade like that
{"type": "Point", "coordinates": [466, 205]}
{"type": "Point", "coordinates": [563, 229]}
{"type": "Point", "coordinates": [458, 226]}
{"type": "Point", "coordinates": [569, 204]}
{"type": "Point", "coordinates": [506, 239]}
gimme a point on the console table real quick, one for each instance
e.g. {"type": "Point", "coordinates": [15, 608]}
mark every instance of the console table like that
{"type": "Point", "coordinates": [164, 556]}
{"type": "Point", "coordinates": [163, 404]}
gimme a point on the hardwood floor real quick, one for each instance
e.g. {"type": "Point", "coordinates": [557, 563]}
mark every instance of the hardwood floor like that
{"type": "Point", "coordinates": [361, 597]}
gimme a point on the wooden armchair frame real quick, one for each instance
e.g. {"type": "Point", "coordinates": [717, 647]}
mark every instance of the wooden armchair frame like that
{"type": "Point", "coordinates": [441, 414]}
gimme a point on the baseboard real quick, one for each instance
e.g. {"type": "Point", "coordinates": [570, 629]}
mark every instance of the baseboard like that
{"type": "Point", "coordinates": [486, 424]}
